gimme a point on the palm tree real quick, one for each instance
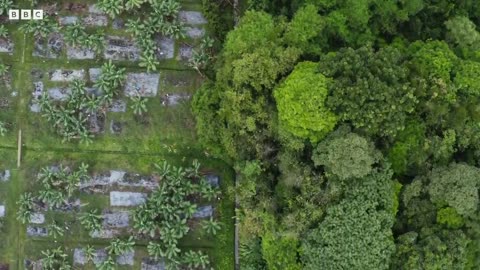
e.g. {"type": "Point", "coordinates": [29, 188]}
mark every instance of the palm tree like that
{"type": "Point", "coordinates": [139, 105]}
{"type": "Point", "coordinates": [211, 226]}
{"type": "Point", "coordinates": [25, 210]}
{"type": "Point", "coordinates": [148, 61]}
{"type": "Point", "coordinates": [133, 4]}
{"type": "Point", "coordinates": [196, 259]}
{"type": "Point", "coordinates": [135, 27]}
{"type": "Point", "coordinates": [115, 247]}
{"type": "Point", "coordinates": [5, 6]}
{"type": "Point", "coordinates": [111, 7]}
{"type": "Point", "coordinates": [89, 252]}
{"type": "Point", "coordinates": [55, 259]}
{"type": "Point", "coordinates": [3, 69]}
{"type": "Point", "coordinates": [74, 33]}
{"type": "Point", "coordinates": [108, 264]}
{"type": "Point", "coordinates": [92, 220]}
{"type": "Point", "coordinates": [55, 230]}
{"type": "Point", "coordinates": [128, 245]}
{"type": "Point", "coordinates": [155, 250]}
{"type": "Point", "coordinates": [40, 27]}
{"type": "Point", "coordinates": [3, 128]}
{"type": "Point", "coordinates": [3, 31]}
{"type": "Point", "coordinates": [49, 259]}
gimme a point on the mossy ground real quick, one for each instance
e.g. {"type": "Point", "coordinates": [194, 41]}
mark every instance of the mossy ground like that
{"type": "Point", "coordinates": [168, 133]}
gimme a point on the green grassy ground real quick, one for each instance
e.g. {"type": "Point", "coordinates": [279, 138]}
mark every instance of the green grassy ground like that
{"type": "Point", "coordinates": [167, 135]}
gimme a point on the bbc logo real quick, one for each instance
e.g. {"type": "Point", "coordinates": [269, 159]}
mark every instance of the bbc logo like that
{"type": "Point", "coordinates": [25, 14]}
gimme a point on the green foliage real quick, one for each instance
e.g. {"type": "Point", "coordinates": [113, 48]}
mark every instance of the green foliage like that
{"type": "Point", "coordinates": [219, 16]}
{"type": "Point", "coordinates": [455, 186]}
{"type": "Point", "coordinates": [346, 155]}
{"type": "Point", "coordinates": [450, 218]}
{"type": "Point", "coordinates": [356, 232]}
{"type": "Point", "coordinates": [234, 113]}
{"type": "Point", "coordinates": [433, 248]}
{"type": "Point", "coordinates": [301, 103]}
{"type": "Point", "coordinates": [370, 89]}
{"type": "Point", "coordinates": [304, 27]}
{"type": "Point", "coordinates": [466, 77]}
{"type": "Point", "coordinates": [462, 32]}
{"type": "Point", "coordinates": [407, 151]}
{"type": "Point", "coordinates": [280, 252]}
{"type": "Point", "coordinates": [433, 60]}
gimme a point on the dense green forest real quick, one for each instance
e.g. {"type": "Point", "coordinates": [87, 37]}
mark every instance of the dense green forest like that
{"type": "Point", "coordinates": [354, 128]}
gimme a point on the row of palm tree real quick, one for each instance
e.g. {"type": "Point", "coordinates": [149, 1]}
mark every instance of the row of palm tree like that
{"type": "Point", "coordinates": [40, 28]}
{"type": "Point", "coordinates": [59, 184]}
{"type": "Point", "coordinates": [162, 19]}
{"type": "Point", "coordinates": [118, 247]}
{"type": "Point", "coordinates": [76, 35]}
{"type": "Point", "coordinates": [167, 210]}
{"type": "Point", "coordinates": [70, 118]}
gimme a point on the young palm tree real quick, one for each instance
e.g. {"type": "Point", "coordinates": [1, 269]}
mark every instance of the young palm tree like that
{"type": "Point", "coordinates": [25, 205]}
{"type": "Point", "coordinates": [3, 31]}
{"type": "Point", "coordinates": [155, 250]}
{"type": "Point", "coordinates": [89, 252]}
{"type": "Point", "coordinates": [74, 33]}
{"type": "Point", "coordinates": [108, 264]}
{"type": "Point", "coordinates": [40, 27]}
{"type": "Point", "coordinates": [55, 230]}
{"type": "Point", "coordinates": [211, 226]}
{"type": "Point", "coordinates": [5, 6]}
{"type": "Point", "coordinates": [3, 69]}
{"type": "Point", "coordinates": [3, 128]}
{"type": "Point", "coordinates": [133, 4]}
{"type": "Point", "coordinates": [196, 259]}
{"type": "Point", "coordinates": [111, 7]}
{"type": "Point", "coordinates": [92, 220]}
{"type": "Point", "coordinates": [139, 105]}
{"type": "Point", "coordinates": [148, 61]}
{"type": "Point", "coordinates": [128, 245]}
{"type": "Point", "coordinates": [116, 247]}
{"type": "Point", "coordinates": [135, 27]}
